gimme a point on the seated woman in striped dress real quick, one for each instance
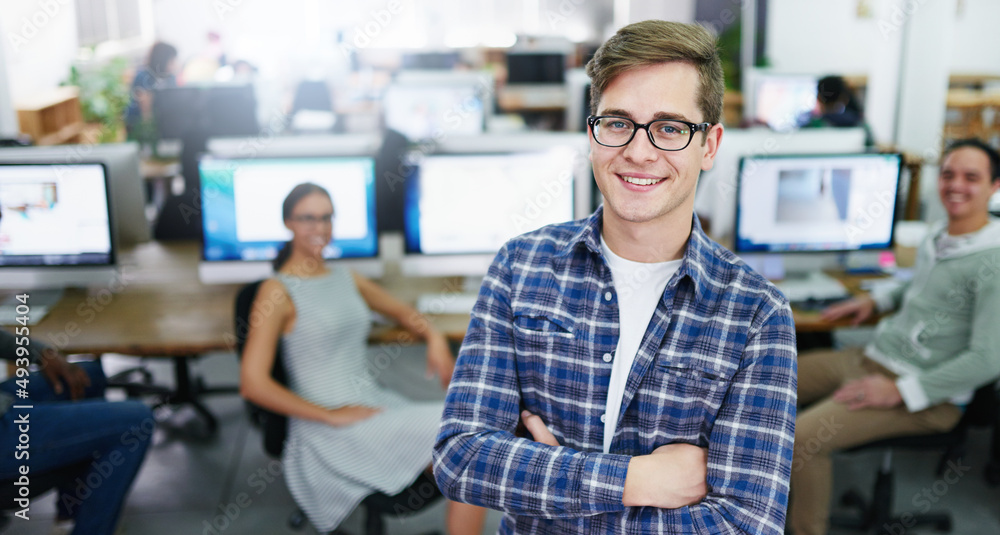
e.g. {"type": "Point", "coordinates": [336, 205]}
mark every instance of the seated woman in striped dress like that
{"type": "Point", "coordinates": [348, 437]}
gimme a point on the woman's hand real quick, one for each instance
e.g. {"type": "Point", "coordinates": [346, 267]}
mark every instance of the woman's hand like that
{"type": "Point", "coordinates": [351, 414]}
{"type": "Point", "coordinates": [440, 361]}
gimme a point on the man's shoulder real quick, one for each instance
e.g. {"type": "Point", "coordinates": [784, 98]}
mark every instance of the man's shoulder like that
{"type": "Point", "coordinates": [726, 274]}
{"type": "Point", "coordinates": [551, 239]}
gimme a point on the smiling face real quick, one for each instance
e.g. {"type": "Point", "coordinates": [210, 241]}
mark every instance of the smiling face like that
{"type": "Point", "coordinates": [641, 183]}
{"type": "Point", "coordinates": [965, 187]}
{"type": "Point", "coordinates": [311, 224]}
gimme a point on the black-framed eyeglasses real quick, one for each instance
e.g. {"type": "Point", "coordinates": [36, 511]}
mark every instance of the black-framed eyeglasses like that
{"type": "Point", "coordinates": [664, 134]}
{"type": "Point", "coordinates": [313, 219]}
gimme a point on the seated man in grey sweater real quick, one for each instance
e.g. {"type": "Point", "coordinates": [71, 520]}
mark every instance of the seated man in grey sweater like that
{"type": "Point", "coordinates": [926, 360]}
{"type": "Point", "coordinates": [56, 420]}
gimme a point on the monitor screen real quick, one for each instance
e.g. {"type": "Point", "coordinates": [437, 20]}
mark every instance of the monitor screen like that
{"type": "Point", "coordinates": [420, 111]}
{"type": "Point", "coordinates": [536, 68]}
{"type": "Point", "coordinates": [242, 198]}
{"type": "Point", "coordinates": [121, 161]}
{"type": "Point", "coordinates": [474, 203]}
{"type": "Point", "coordinates": [816, 203]}
{"type": "Point", "coordinates": [54, 215]}
{"type": "Point", "coordinates": [784, 101]}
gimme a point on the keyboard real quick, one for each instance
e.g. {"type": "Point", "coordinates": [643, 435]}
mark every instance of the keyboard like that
{"type": "Point", "coordinates": [814, 287]}
{"type": "Point", "coordinates": [446, 303]}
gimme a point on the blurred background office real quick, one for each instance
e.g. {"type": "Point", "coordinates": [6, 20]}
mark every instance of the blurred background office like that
{"type": "Point", "coordinates": [441, 129]}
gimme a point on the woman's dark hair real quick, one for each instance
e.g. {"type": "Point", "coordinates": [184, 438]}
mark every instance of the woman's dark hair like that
{"type": "Point", "coordinates": [159, 56]}
{"type": "Point", "coordinates": [975, 143]}
{"type": "Point", "coordinates": [297, 194]}
{"type": "Point", "coordinates": [834, 88]}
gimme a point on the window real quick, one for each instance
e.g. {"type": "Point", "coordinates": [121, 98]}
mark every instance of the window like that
{"type": "Point", "coordinates": [98, 21]}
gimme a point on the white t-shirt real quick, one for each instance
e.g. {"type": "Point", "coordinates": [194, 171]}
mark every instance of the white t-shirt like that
{"type": "Point", "coordinates": [639, 286]}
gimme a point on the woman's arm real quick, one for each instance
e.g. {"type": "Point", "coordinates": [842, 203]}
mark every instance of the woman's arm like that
{"type": "Point", "coordinates": [273, 305]}
{"type": "Point", "coordinates": [440, 361]}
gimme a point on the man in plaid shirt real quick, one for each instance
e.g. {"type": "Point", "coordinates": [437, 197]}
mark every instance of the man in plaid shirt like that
{"type": "Point", "coordinates": [654, 370]}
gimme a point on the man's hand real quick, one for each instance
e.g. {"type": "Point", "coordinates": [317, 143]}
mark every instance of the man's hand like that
{"type": "Point", "coordinates": [861, 308]}
{"type": "Point", "coordinates": [875, 390]}
{"type": "Point", "coordinates": [538, 429]}
{"type": "Point", "coordinates": [440, 361]}
{"type": "Point", "coordinates": [56, 370]}
{"type": "Point", "coordinates": [671, 477]}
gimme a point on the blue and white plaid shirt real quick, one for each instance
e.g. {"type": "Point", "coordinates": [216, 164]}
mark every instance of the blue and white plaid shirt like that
{"type": "Point", "coordinates": [716, 368]}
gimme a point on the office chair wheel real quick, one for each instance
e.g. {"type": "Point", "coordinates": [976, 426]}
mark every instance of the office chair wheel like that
{"type": "Point", "coordinates": [297, 520]}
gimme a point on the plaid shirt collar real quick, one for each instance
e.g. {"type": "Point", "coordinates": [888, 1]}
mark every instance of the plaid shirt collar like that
{"type": "Point", "coordinates": [700, 252]}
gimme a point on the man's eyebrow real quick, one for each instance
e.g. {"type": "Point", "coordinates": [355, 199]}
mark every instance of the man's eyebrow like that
{"type": "Point", "coordinates": [616, 111]}
{"type": "Point", "coordinates": [660, 115]}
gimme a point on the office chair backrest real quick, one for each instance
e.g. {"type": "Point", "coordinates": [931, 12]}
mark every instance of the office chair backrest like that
{"type": "Point", "coordinates": [274, 426]}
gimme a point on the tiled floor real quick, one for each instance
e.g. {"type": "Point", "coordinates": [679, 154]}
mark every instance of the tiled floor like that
{"type": "Point", "coordinates": [188, 486]}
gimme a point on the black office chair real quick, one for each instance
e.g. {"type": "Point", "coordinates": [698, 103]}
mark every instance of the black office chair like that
{"type": "Point", "coordinates": [377, 506]}
{"type": "Point", "coordinates": [877, 514]}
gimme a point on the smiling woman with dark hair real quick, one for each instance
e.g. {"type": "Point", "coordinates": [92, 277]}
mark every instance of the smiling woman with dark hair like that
{"type": "Point", "coordinates": [348, 437]}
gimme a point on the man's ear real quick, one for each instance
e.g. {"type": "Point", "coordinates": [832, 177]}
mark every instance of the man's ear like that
{"type": "Point", "coordinates": [713, 138]}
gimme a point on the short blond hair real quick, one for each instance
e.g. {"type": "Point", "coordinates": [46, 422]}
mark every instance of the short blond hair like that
{"type": "Point", "coordinates": [652, 42]}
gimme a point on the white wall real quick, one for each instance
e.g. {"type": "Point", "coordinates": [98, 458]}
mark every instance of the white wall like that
{"type": "Point", "coordinates": [829, 37]}
{"type": "Point", "coordinates": [675, 10]}
{"type": "Point", "coordinates": [977, 39]}
{"type": "Point", "coordinates": [8, 118]}
{"type": "Point", "coordinates": [40, 45]}
{"type": "Point", "coordinates": [818, 37]}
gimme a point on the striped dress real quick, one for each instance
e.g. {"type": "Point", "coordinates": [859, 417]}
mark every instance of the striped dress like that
{"type": "Point", "coordinates": [329, 470]}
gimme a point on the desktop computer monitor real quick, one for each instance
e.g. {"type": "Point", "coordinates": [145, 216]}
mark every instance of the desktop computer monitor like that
{"type": "Point", "coordinates": [55, 226]}
{"type": "Point", "coordinates": [121, 160]}
{"type": "Point", "coordinates": [422, 111]}
{"type": "Point", "coordinates": [715, 200]}
{"type": "Point", "coordinates": [208, 111]}
{"type": "Point", "coordinates": [816, 203]}
{"type": "Point", "coordinates": [461, 208]}
{"type": "Point", "coordinates": [536, 68]}
{"type": "Point", "coordinates": [298, 146]}
{"type": "Point", "coordinates": [241, 209]}
{"type": "Point", "coordinates": [783, 101]}
{"type": "Point", "coordinates": [431, 60]}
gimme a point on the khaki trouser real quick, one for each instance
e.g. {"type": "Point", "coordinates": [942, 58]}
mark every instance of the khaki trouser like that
{"type": "Point", "coordinates": [824, 426]}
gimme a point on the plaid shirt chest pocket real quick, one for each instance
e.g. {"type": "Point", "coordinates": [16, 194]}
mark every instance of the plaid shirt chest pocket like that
{"type": "Point", "coordinates": [547, 355]}
{"type": "Point", "coordinates": [535, 323]}
{"type": "Point", "coordinates": [681, 399]}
